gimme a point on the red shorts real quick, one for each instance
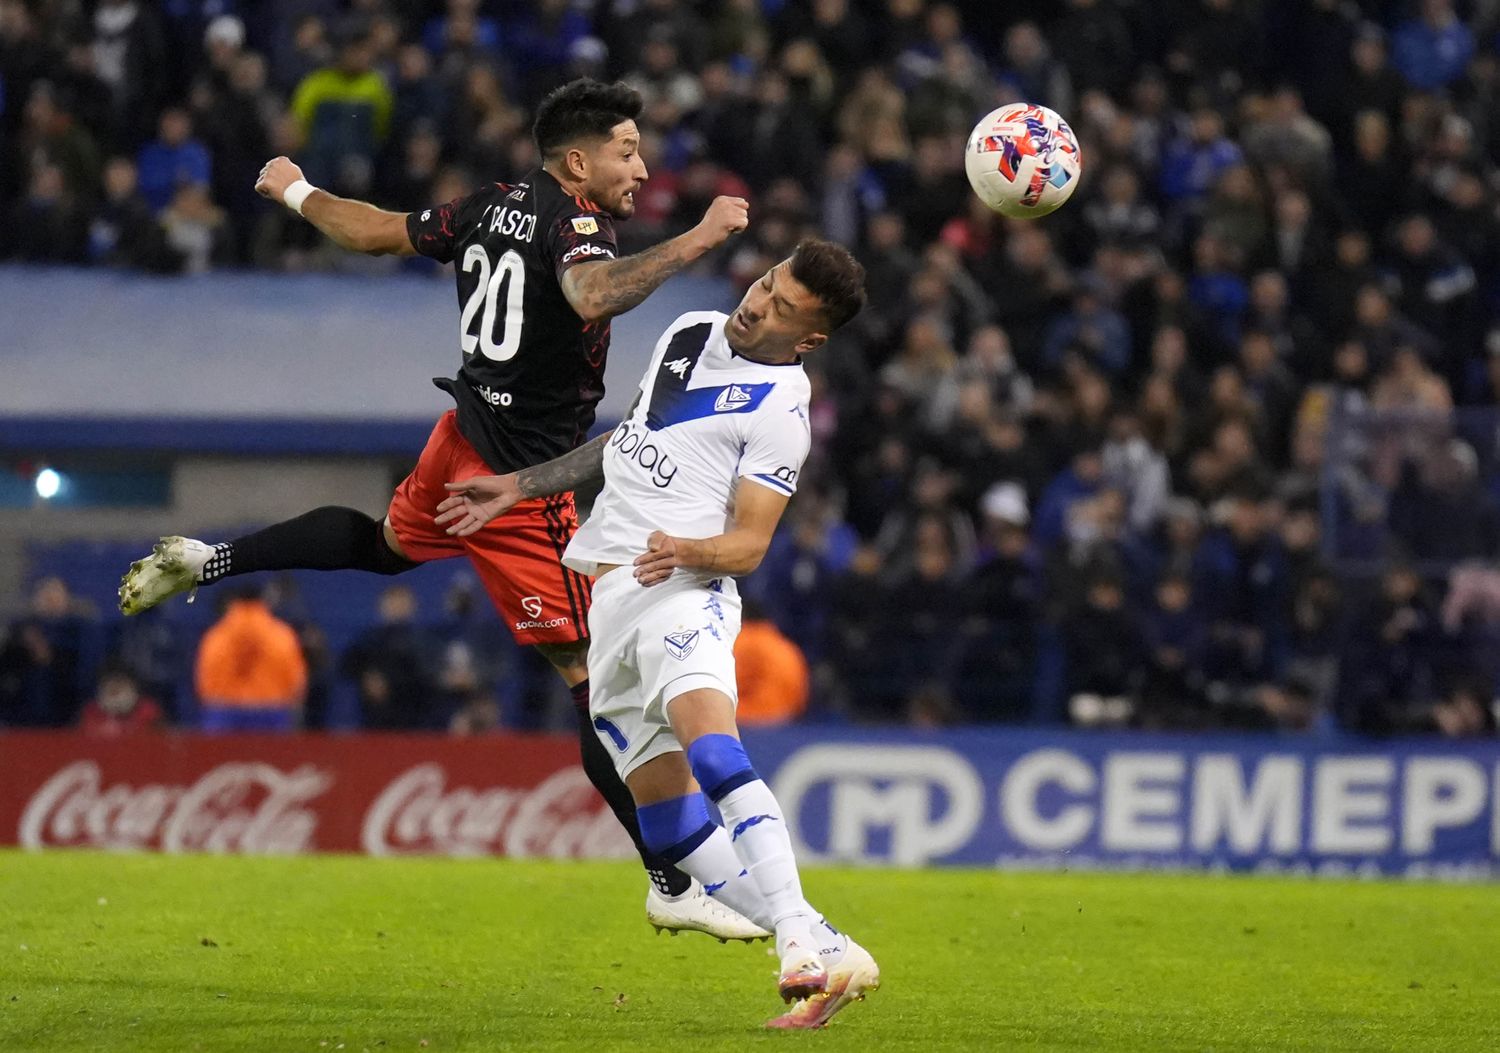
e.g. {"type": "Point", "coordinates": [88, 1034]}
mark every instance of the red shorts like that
{"type": "Point", "coordinates": [518, 555]}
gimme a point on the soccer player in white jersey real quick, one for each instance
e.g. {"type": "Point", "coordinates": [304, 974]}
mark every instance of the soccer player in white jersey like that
{"type": "Point", "coordinates": [696, 479]}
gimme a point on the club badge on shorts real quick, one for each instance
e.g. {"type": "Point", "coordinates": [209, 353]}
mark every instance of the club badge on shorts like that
{"type": "Point", "coordinates": [681, 643]}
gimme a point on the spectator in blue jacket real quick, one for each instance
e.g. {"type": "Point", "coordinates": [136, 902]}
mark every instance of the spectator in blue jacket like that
{"type": "Point", "coordinates": [174, 160]}
{"type": "Point", "coordinates": [1433, 51]}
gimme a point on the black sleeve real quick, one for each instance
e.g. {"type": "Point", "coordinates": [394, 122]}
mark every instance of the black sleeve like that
{"type": "Point", "coordinates": [578, 237]}
{"type": "Point", "coordinates": [434, 232]}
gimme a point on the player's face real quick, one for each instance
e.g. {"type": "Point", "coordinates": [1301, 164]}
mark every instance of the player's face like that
{"type": "Point", "coordinates": [616, 171]}
{"type": "Point", "coordinates": [778, 320]}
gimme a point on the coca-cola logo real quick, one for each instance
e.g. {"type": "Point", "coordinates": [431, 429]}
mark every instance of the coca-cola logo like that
{"type": "Point", "coordinates": [561, 817]}
{"type": "Point", "coordinates": [248, 807]}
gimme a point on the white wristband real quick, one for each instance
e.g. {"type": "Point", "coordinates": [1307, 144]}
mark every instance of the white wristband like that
{"type": "Point", "coordinates": [296, 194]}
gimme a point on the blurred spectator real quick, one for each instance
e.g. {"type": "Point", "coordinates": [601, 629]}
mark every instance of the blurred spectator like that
{"type": "Point", "coordinates": [130, 57]}
{"type": "Point", "coordinates": [234, 119]}
{"type": "Point", "coordinates": [1432, 49]}
{"type": "Point", "coordinates": [53, 138]}
{"type": "Point", "coordinates": [1031, 71]}
{"type": "Point", "coordinates": [250, 672]}
{"type": "Point", "coordinates": [175, 160]}
{"type": "Point", "coordinates": [1388, 668]}
{"type": "Point", "coordinates": [49, 225]}
{"type": "Point", "coordinates": [1104, 653]}
{"type": "Point", "coordinates": [119, 708]}
{"type": "Point", "coordinates": [478, 715]}
{"type": "Point", "coordinates": [343, 112]}
{"type": "Point", "coordinates": [1001, 599]}
{"type": "Point", "coordinates": [1095, 45]}
{"type": "Point", "coordinates": [1467, 711]}
{"type": "Point", "coordinates": [197, 230]}
{"type": "Point", "coordinates": [391, 665]}
{"type": "Point", "coordinates": [151, 651]}
{"type": "Point", "coordinates": [125, 233]}
{"type": "Point", "coordinates": [1092, 329]}
{"type": "Point", "coordinates": [770, 670]}
{"type": "Point", "coordinates": [47, 659]}
{"type": "Point", "coordinates": [1194, 161]}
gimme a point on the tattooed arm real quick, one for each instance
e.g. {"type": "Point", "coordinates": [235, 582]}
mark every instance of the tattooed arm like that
{"type": "Point", "coordinates": [474, 502]}
{"type": "Point", "coordinates": [604, 289]}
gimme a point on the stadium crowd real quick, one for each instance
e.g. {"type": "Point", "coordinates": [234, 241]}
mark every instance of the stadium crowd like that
{"type": "Point", "coordinates": [1068, 470]}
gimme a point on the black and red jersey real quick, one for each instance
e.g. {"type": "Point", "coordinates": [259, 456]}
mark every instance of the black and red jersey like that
{"type": "Point", "coordinates": [533, 371]}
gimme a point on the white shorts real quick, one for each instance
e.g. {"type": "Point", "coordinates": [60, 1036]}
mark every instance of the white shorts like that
{"type": "Point", "coordinates": [649, 645]}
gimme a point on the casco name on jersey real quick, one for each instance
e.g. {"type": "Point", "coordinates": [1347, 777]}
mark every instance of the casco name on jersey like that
{"type": "Point", "coordinates": [513, 223]}
{"type": "Point", "coordinates": [588, 248]}
{"type": "Point", "coordinates": [630, 440]}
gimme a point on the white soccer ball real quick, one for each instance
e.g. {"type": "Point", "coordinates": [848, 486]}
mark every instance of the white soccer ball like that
{"type": "Point", "coordinates": [1023, 161]}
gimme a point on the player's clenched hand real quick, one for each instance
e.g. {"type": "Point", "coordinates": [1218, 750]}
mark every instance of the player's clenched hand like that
{"type": "Point", "coordinates": [662, 556]}
{"type": "Point", "coordinates": [278, 174]}
{"type": "Point", "coordinates": [726, 216]}
{"type": "Point", "coordinates": [476, 501]}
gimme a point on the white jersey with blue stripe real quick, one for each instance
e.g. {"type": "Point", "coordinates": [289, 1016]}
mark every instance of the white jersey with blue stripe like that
{"type": "Point", "coordinates": [705, 419]}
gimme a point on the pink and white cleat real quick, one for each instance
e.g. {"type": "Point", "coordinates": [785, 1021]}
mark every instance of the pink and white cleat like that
{"type": "Point", "coordinates": [802, 972]}
{"type": "Point", "coordinates": [852, 974]}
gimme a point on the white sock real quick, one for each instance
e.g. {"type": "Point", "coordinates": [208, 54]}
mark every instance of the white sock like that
{"type": "Point", "coordinates": [722, 875]}
{"type": "Point", "coordinates": [758, 834]}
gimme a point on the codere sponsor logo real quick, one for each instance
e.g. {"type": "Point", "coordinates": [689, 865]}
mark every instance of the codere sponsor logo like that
{"type": "Point", "coordinates": [588, 248]}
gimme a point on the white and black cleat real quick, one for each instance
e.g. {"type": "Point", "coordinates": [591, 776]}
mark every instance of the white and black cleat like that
{"type": "Point", "coordinates": [174, 567]}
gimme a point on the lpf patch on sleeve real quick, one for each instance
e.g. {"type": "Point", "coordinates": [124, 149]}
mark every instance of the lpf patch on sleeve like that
{"type": "Point", "coordinates": [586, 225]}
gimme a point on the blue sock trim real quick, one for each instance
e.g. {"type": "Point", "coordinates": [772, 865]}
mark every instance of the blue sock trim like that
{"type": "Point", "coordinates": [673, 829]}
{"type": "Point", "coordinates": [720, 764]}
{"type": "Point", "coordinates": [688, 845]}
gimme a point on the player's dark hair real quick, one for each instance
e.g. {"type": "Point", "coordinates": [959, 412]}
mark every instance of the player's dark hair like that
{"type": "Point", "coordinates": [582, 109]}
{"type": "Point", "coordinates": [832, 274]}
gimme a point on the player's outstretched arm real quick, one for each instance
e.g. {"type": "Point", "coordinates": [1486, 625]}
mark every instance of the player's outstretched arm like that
{"type": "Point", "coordinates": [476, 501]}
{"type": "Point", "coordinates": [603, 289]}
{"type": "Point", "coordinates": [349, 224]}
{"type": "Point", "coordinates": [737, 551]}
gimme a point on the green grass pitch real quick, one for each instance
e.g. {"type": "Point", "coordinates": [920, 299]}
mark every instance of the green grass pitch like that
{"type": "Point", "coordinates": [102, 952]}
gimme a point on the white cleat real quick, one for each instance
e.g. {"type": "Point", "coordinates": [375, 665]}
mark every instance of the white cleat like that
{"type": "Point", "coordinates": [852, 974]}
{"type": "Point", "coordinates": [172, 568]}
{"type": "Point", "coordinates": [696, 911]}
{"type": "Point", "coordinates": [802, 972]}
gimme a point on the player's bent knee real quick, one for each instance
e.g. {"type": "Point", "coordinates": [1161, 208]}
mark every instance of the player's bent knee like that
{"type": "Point", "coordinates": [699, 704]}
{"type": "Point", "coordinates": [662, 778]}
{"type": "Point", "coordinates": [720, 764]}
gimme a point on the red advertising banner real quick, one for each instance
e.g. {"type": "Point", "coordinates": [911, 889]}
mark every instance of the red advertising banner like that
{"type": "Point", "coordinates": [383, 795]}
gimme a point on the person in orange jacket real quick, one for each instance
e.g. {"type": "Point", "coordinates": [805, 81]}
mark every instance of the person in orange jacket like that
{"type": "Point", "coordinates": [770, 671]}
{"type": "Point", "coordinates": [251, 675]}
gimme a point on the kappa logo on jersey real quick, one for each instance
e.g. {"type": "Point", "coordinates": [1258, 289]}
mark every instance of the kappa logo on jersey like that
{"type": "Point", "coordinates": [681, 644]}
{"type": "Point", "coordinates": [680, 367]}
{"type": "Point", "coordinates": [586, 224]}
{"type": "Point", "coordinates": [532, 605]}
{"type": "Point", "coordinates": [732, 398]}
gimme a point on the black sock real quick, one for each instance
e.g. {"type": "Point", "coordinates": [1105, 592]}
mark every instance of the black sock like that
{"type": "Point", "coordinates": [600, 769]}
{"type": "Point", "coordinates": [327, 538]}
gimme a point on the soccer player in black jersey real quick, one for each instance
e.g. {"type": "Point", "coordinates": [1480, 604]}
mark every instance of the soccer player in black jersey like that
{"type": "Point", "coordinates": [539, 278]}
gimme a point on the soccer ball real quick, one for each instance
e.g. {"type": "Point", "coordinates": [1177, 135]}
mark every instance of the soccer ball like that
{"type": "Point", "coordinates": [1023, 161]}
